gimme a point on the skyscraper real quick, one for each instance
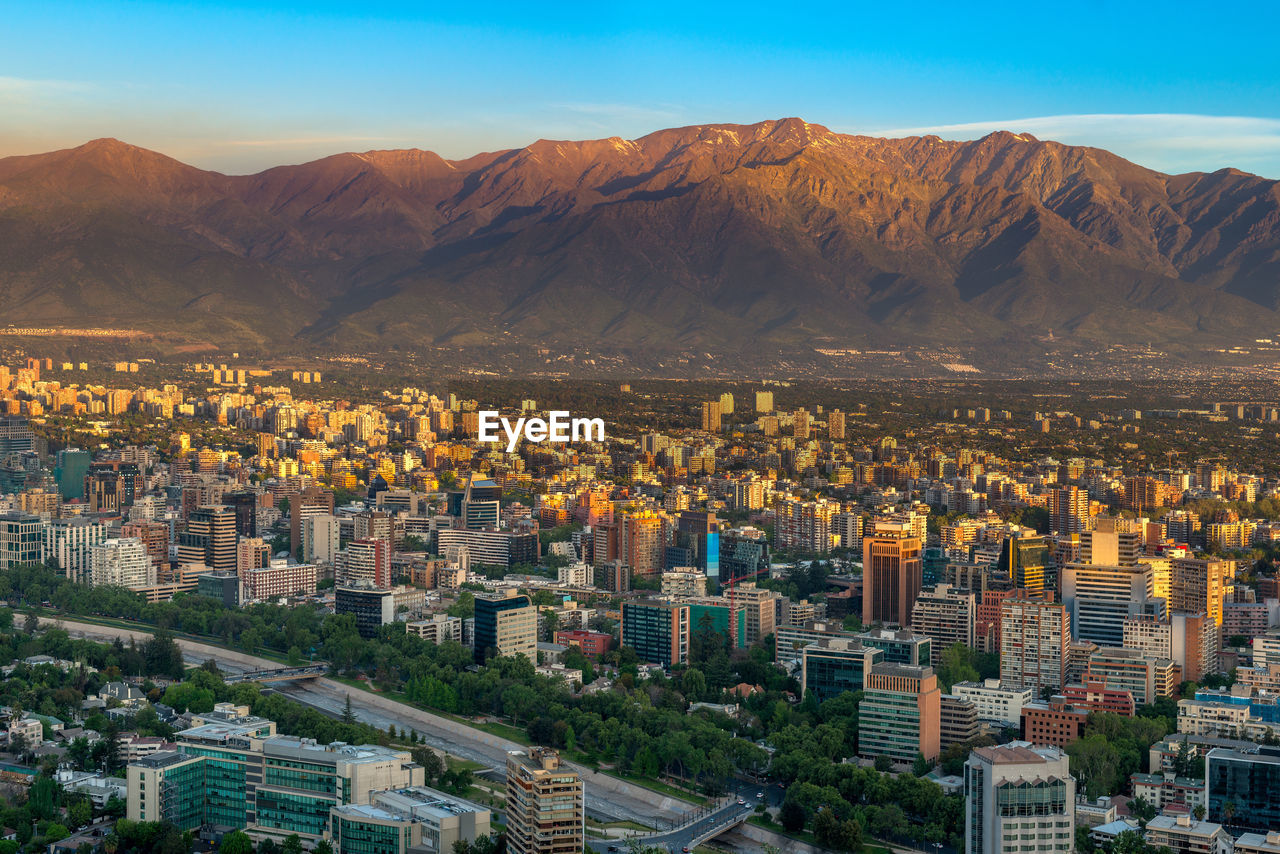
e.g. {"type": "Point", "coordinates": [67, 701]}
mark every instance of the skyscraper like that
{"type": "Point", "coordinates": [506, 625]}
{"type": "Point", "coordinates": [545, 804]}
{"type": "Point", "coordinates": [946, 615]}
{"type": "Point", "coordinates": [764, 401]}
{"type": "Point", "coordinates": [68, 543]}
{"type": "Point", "coordinates": [1068, 510]}
{"type": "Point", "coordinates": [891, 574]}
{"type": "Point", "coordinates": [711, 416]}
{"type": "Point", "coordinates": [1199, 586]}
{"type": "Point", "coordinates": [1017, 793]}
{"type": "Point", "coordinates": [120, 563]}
{"type": "Point", "coordinates": [312, 501]}
{"type": "Point", "coordinates": [210, 538]}
{"type": "Point", "coordinates": [899, 716]}
{"type": "Point", "coordinates": [1034, 636]}
{"type": "Point", "coordinates": [657, 631]}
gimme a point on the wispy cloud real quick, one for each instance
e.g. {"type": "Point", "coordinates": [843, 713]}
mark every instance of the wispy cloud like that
{"type": "Point", "coordinates": [1172, 142]}
{"type": "Point", "coordinates": [18, 89]}
{"type": "Point", "coordinates": [637, 112]}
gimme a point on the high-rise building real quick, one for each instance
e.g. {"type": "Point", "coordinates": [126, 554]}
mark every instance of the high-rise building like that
{"type": "Point", "coordinates": [800, 423]}
{"type": "Point", "coordinates": [506, 625]}
{"type": "Point", "coordinates": [764, 401]}
{"type": "Point", "coordinates": [16, 435]}
{"type": "Point", "coordinates": [251, 553]}
{"type": "Point", "coordinates": [1100, 597]}
{"type": "Point", "coordinates": [1068, 510]}
{"type": "Point", "coordinates": [1189, 640]}
{"type": "Point", "coordinates": [67, 542]}
{"type": "Point", "coordinates": [321, 538]}
{"type": "Point", "coordinates": [891, 574]}
{"type": "Point", "coordinates": [210, 538]}
{"type": "Point", "coordinates": [245, 503]}
{"type": "Point", "coordinates": [899, 716]}
{"type": "Point", "coordinates": [711, 416]}
{"type": "Point", "coordinates": [657, 631]}
{"type": "Point", "coordinates": [1110, 543]}
{"type": "Point", "coordinates": [804, 526]}
{"type": "Point", "coordinates": [760, 607]}
{"type": "Point", "coordinates": [120, 563]}
{"type": "Point", "coordinates": [21, 539]}
{"type": "Point", "coordinates": [946, 615]}
{"type": "Point", "coordinates": [830, 666]}
{"type": "Point", "coordinates": [1200, 586]}
{"type": "Point", "coordinates": [545, 804]}
{"type": "Point", "coordinates": [1242, 787]}
{"type": "Point", "coordinates": [726, 403]}
{"type": "Point", "coordinates": [372, 607]}
{"type": "Point", "coordinates": [312, 501]}
{"type": "Point", "coordinates": [1024, 557]}
{"type": "Point", "coordinates": [1019, 796]}
{"type": "Point", "coordinates": [368, 562]}
{"type": "Point", "coordinates": [835, 425]}
{"type": "Point", "coordinates": [71, 465]}
{"type": "Point", "coordinates": [1034, 636]}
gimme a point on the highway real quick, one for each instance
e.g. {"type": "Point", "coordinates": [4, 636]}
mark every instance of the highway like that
{"type": "Point", "coordinates": [607, 798]}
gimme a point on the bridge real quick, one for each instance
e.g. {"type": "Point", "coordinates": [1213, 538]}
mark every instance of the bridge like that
{"type": "Point", "coordinates": [699, 826]}
{"type": "Point", "coordinates": [279, 674]}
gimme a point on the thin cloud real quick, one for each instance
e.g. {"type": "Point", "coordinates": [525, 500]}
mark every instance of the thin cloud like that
{"type": "Point", "coordinates": [312, 140]}
{"type": "Point", "coordinates": [16, 89]}
{"type": "Point", "coordinates": [1172, 142]}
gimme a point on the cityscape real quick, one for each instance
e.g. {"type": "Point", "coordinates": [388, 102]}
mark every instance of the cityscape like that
{"type": "Point", "coordinates": [639, 429]}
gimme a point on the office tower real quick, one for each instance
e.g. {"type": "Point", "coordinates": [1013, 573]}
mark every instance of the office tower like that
{"type": "Point", "coordinates": [120, 563]}
{"type": "Point", "coordinates": [210, 538]}
{"type": "Point", "coordinates": [835, 426]}
{"type": "Point", "coordinates": [900, 713]}
{"type": "Point", "coordinates": [495, 548]}
{"type": "Point", "coordinates": [112, 486]}
{"type": "Point", "coordinates": [1034, 637]}
{"type": "Point", "coordinates": [657, 631]}
{"type": "Point", "coordinates": [1110, 544]}
{"type": "Point", "coordinates": [16, 435]}
{"type": "Point", "coordinates": [958, 722]}
{"type": "Point", "coordinates": [804, 526]}
{"type": "Point", "coordinates": [1189, 640]}
{"type": "Point", "coordinates": [246, 506]}
{"type": "Point", "coordinates": [641, 541]}
{"type": "Point", "coordinates": [480, 504]}
{"type": "Point", "coordinates": [891, 574]}
{"type": "Point", "coordinates": [764, 401]}
{"type": "Point", "coordinates": [945, 615]}
{"type": "Point", "coordinates": [71, 465]}
{"type": "Point", "coordinates": [1024, 558]}
{"type": "Point", "coordinates": [1100, 597]}
{"type": "Point", "coordinates": [506, 624]}
{"type": "Point", "coordinates": [726, 403]}
{"type": "Point", "coordinates": [372, 607]}
{"type": "Point", "coordinates": [900, 646]}
{"type": "Point", "coordinates": [1242, 787]}
{"type": "Point", "coordinates": [232, 770]}
{"type": "Point", "coordinates": [711, 416]}
{"type": "Point", "coordinates": [800, 423]}
{"type": "Point", "coordinates": [367, 562]}
{"type": "Point", "coordinates": [744, 554]}
{"type": "Point", "coordinates": [1017, 793]}
{"type": "Point", "coordinates": [1200, 586]}
{"type": "Point", "coordinates": [545, 804]}
{"type": "Point", "coordinates": [21, 539]}
{"type": "Point", "coordinates": [67, 543]}
{"type": "Point", "coordinates": [408, 820]}
{"type": "Point", "coordinates": [832, 665]}
{"type": "Point", "coordinates": [320, 538]}
{"type": "Point", "coordinates": [312, 501]}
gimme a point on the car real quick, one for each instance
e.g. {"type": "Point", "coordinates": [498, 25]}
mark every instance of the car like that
{"type": "Point", "coordinates": [741, 802]}
{"type": "Point", "coordinates": [759, 796]}
{"type": "Point", "coordinates": [685, 849]}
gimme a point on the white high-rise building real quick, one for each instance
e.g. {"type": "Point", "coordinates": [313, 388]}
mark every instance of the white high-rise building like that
{"type": "Point", "coordinates": [121, 563]}
{"type": "Point", "coordinates": [764, 401]}
{"type": "Point", "coordinates": [1019, 798]}
{"type": "Point", "coordinates": [320, 538]}
{"type": "Point", "coordinates": [68, 542]}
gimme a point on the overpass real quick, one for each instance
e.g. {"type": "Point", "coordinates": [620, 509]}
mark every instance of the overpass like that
{"type": "Point", "coordinates": [278, 674]}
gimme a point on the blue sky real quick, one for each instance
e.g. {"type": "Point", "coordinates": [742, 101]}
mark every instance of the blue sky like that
{"type": "Point", "coordinates": [242, 86]}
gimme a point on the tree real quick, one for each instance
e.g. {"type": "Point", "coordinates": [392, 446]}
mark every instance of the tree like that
{"type": "Point", "coordinates": [80, 813]}
{"type": "Point", "coordinates": [348, 716]}
{"type": "Point", "coordinates": [292, 845]}
{"type": "Point", "coordinates": [791, 816]}
{"type": "Point", "coordinates": [957, 665]}
{"type": "Point", "coordinates": [323, 847]}
{"type": "Point", "coordinates": [883, 763]}
{"type": "Point", "coordinates": [236, 842]}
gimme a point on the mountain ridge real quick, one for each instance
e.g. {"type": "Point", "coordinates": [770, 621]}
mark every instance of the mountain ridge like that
{"type": "Point", "coordinates": [721, 237]}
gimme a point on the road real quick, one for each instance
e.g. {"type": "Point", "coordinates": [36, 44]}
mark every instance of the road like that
{"type": "Point", "coordinates": [704, 825]}
{"type": "Point", "coordinates": [608, 798]}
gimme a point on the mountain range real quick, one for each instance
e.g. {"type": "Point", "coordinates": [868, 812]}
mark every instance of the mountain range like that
{"type": "Point", "coordinates": [718, 238]}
